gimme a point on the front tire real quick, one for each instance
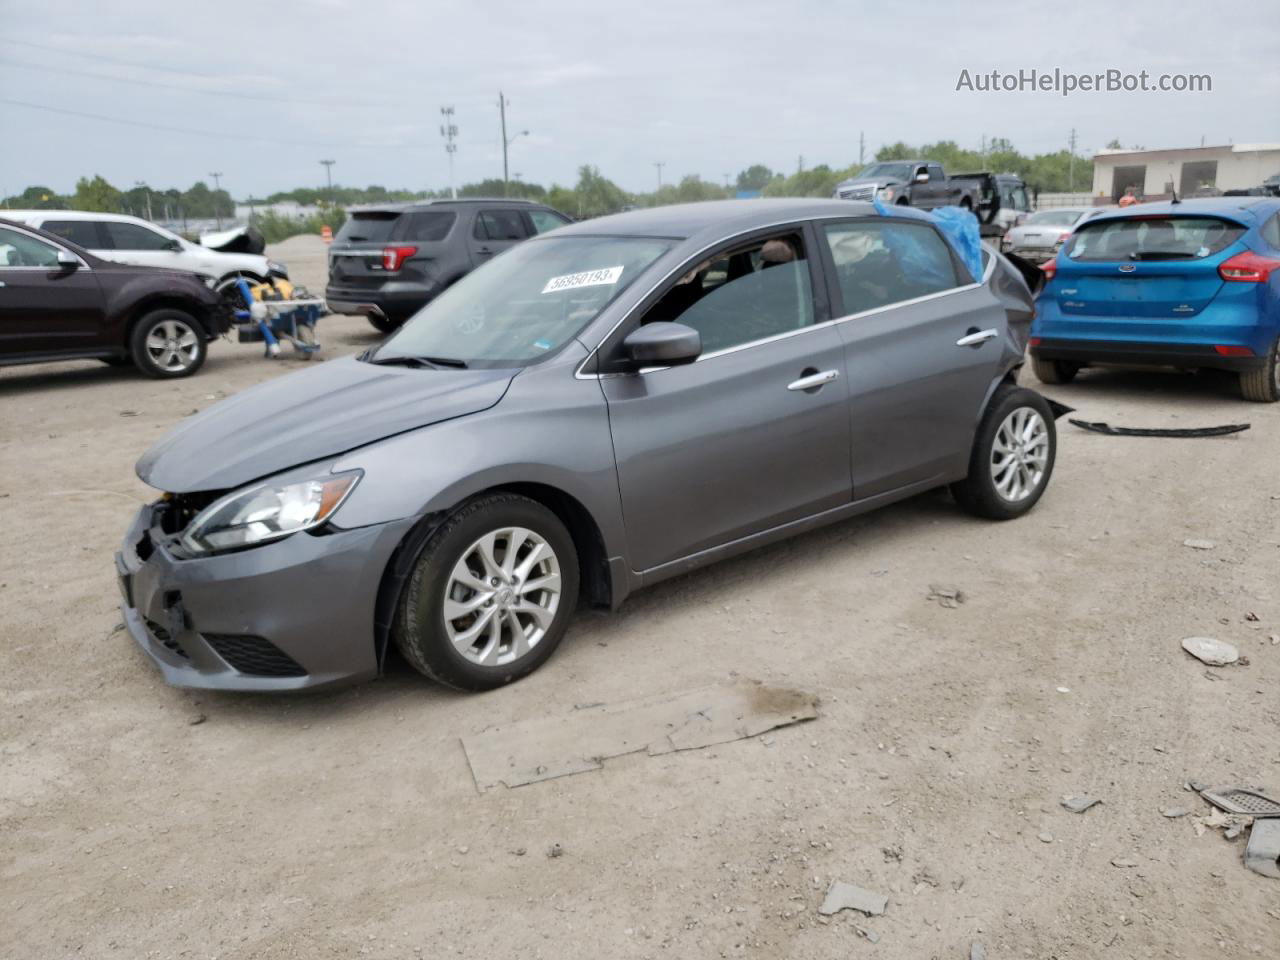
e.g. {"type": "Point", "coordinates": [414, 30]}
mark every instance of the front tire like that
{"type": "Point", "coordinates": [491, 594]}
{"type": "Point", "coordinates": [167, 344]}
{"type": "Point", "coordinates": [1263, 385]}
{"type": "Point", "coordinates": [1054, 371]}
{"type": "Point", "coordinates": [1013, 456]}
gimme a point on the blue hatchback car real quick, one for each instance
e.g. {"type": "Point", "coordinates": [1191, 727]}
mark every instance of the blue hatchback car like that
{"type": "Point", "coordinates": [1190, 284]}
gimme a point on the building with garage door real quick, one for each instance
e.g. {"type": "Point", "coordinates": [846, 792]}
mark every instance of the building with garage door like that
{"type": "Point", "coordinates": [1207, 170]}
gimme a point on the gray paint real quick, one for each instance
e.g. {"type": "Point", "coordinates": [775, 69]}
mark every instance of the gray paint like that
{"type": "Point", "coordinates": [676, 466]}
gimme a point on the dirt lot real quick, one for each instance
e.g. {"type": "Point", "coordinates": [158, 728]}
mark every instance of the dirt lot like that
{"type": "Point", "coordinates": [348, 824]}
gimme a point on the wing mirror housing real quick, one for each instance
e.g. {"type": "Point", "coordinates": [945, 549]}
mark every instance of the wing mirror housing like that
{"type": "Point", "coordinates": [922, 176]}
{"type": "Point", "coordinates": [68, 261]}
{"type": "Point", "coordinates": [662, 344]}
{"type": "Point", "coordinates": [173, 246]}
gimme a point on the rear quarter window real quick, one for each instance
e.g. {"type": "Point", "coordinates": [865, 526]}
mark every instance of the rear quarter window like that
{"type": "Point", "coordinates": [374, 226]}
{"type": "Point", "coordinates": [1156, 238]}
{"type": "Point", "coordinates": [1271, 231]}
{"type": "Point", "coordinates": [426, 226]}
{"type": "Point", "coordinates": [83, 232]}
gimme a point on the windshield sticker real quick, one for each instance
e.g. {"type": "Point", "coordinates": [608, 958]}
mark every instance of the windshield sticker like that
{"type": "Point", "coordinates": [606, 276]}
{"type": "Point", "coordinates": [543, 344]}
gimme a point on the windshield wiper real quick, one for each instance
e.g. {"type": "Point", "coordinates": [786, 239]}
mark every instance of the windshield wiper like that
{"type": "Point", "coordinates": [408, 360]}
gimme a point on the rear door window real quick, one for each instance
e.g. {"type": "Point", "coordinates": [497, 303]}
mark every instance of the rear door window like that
{"type": "Point", "coordinates": [1153, 238]}
{"type": "Point", "coordinates": [87, 233]}
{"type": "Point", "coordinates": [879, 262]}
{"type": "Point", "coordinates": [544, 220]}
{"type": "Point", "coordinates": [130, 236]}
{"type": "Point", "coordinates": [500, 225]}
{"type": "Point", "coordinates": [374, 226]}
{"type": "Point", "coordinates": [426, 226]}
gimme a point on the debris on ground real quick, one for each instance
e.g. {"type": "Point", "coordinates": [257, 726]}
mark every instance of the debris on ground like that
{"type": "Point", "coordinates": [1242, 801]}
{"type": "Point", "coordinates": [1216, 653]}
{"type": "Point", "coordinates": [949, 597]}
{"type": "Point", "coordinates": [128, 413]}
{"type": "Point", "coordinates": [1046, 837]}
{"type": "Point", "coordinates": [1098, 427]}
{"type": "Point", "coordinates": [549, 747]}
{"type": "Point", "coordinates": [892, 853]}
{"type": "Point", "coordinates": [1199, 544]}
{"type": "Point", "coordinates": [1262, 854]}
{"type": "Point", "coordinates": [845, 896]}
{"type": "Point", "coordinates": [555, 850]}
{"type": "Point", "coordinates": [196, 719]}
{"type": "Point", "coordinates": [1079, 803]}
{"type": "Point", "coordinates": [1123, 862]}
{"type": "Point", "coordinates": [1173, 813]}
{"type": "Point", "coordinates": [977, 952]}
{"type": "Point", "coordinates": [869, 935]}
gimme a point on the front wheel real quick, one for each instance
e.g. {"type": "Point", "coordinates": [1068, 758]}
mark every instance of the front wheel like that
{"type": "Point", "coordinates": [167, 343]}
{"type": "Point", "coordinates": [1263, 385]}
{"type": "Point", "coordinates": [1054, 371]}
{"type": "Point", "coordinates": [1013, 456]}
{"type": "Point", "coordinates": [491, 595]}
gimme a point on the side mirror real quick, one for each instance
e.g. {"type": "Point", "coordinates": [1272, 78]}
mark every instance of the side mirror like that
{"type": "Point", "coordinates": [173, 246]}
{"type": "Point", "coordinates": [922, 176]}
{"type": "Point", "coordinates": [663, 345]}
{"type": "Point", "coordinates": [68, 261]}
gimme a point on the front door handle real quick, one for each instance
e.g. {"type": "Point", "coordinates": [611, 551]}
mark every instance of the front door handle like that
{"type": "Point", "coordinates": [813, 380]}
{"type": "Point", "coordinates": [976, 338]}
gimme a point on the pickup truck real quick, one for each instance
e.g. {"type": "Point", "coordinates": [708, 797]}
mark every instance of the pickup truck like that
{"type": "Point", "coordinates": [916, 183]}
{"type": "Point", "coordinates": [1002, 200]}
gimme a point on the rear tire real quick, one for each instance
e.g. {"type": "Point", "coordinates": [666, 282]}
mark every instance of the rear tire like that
{"type": "Point", "coordinates": [1013, 456]}
{"type": "Point", "coordinates": [464, 601]}
{"type": "Point", "coordinates": [1263, 385]}
{"type": "Point", "coordinates": [383, 324]}
{"type": "Point", "coordinates": [1054, 371]}
{"type": "Point", "coordinates": [167, 344]}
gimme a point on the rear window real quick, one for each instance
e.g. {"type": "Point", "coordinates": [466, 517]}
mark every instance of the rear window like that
{"type": "Point", "coordinates": [1054, 218]}
{"type": "Point", "coordinates": [424, 225]}
{"type": "Point", "coordinates": [373, 225]}
{"type": "Point", "coordinates": [1153, 238]}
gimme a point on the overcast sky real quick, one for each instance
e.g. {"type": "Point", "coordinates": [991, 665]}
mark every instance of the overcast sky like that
{"type": "Point", "coordinates": [704, 87]}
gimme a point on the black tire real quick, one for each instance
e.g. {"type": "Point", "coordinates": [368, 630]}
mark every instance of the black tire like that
{"type": "Point", "coordinates": [419, 627]}
{"type": "Point", "coordinates": [163, 366]}
{"type": "Point", "coordinates": [977, 493]}
{"type": "Point", "coordinates": [383, 324]}
{"type": "Point", "coordinates": [1054, 371]}
{"type": "Point", "coordinates": [1263, 385]}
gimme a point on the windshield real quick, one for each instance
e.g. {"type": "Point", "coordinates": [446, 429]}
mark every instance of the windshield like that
{"type": "Point", "coordinates": [1055, 218]}
{"type": "Point", "coordinates": [526, 303]}
{"type": "Point", "coordinates": [1153, 238]}
{"type": "Point", "coordinates": [885, 171]}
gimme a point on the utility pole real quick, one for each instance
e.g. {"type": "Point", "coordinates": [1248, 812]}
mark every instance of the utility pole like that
{"type": "Point", "coordinates": [503, 103]}
{"type": "Point", "coordinates": [800, 164]}
{"type": "Point", "coordinates": [139, 183]}
{"type": "Point", "coordinates": [862, 148]}
{"type": "Point", "coordinates": [449, 131]}
{"type": "Point", "coordinates": [726, 181]}
{"type": "Point", "coordinates": [328, 175]}
{"type": "Point", "coordinates": [659, 164]}
{"type": "Point", "coordinates": [217, 185]}
{"type": "Point", "coordinates": [1071, 163]}
{"type": "Point", "coordinates": [984, 151]}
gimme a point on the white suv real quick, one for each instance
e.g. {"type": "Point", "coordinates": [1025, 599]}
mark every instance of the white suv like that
{"type": "Point", "coordinates": [115, 236]}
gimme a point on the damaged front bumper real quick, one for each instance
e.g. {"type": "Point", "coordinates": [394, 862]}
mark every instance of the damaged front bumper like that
{"type": "Point", "coordinates": [291, 615]}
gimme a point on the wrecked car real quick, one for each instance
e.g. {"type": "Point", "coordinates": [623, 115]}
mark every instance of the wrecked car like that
{"type": "Point", "coordinates": [60, 302]}
{"type": "Point", "coordinates": [915, 183]}
{"type": "Point", "coordinates": [596, 410]}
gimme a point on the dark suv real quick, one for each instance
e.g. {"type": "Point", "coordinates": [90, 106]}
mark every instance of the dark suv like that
{"type": "Point", "coordinates": [389, 261]}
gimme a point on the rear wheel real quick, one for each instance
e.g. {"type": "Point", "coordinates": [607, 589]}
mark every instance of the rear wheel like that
{"type": "Point", "coordinates": [383, 324]}
{"type": "Point", "coordinates": [1263, 385]}
{"type": "Point", "coordinates": [1054, 371]}
{"type": "Point", "coordinates": [1013, 456]}
{"type": "Point", "coordinates": [167, 343]}
{"type": "Point", "coordinates": [491, 595]}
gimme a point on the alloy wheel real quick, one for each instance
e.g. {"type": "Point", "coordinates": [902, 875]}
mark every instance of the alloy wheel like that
{"type": "Point", "coordinates": [1020, 454]}
{"type": "Point", "coordinates": [173, 345]}
{"type": "Point", "coordinates": [502, 596]}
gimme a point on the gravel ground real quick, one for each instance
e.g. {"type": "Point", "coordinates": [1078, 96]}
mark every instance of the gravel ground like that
{"type": "Point", "coordinates": [347, 823]}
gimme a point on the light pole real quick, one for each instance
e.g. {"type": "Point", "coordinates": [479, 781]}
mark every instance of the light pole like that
{"type": "Point", "coordinates": [328, 174]}
{"type": "Point", "coordinates": [659, 164]}
{"type": "Point", "coordinates": [506, 141]}
{"type": "Point", "coordinates": [449, 131]}
{"type": "Point", "coordinates": [217, 185]}
{"type": "Point", "coordinates": [140, 183]}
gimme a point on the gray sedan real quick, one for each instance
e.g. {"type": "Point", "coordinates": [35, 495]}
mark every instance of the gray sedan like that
{"type": "Point", "coordinates": [1040, 236]}
{"type": "Point", "coordinates": [595, 410]}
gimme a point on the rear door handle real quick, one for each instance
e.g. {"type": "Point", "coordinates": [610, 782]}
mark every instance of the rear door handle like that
{"type": "Point", "coordinates": [975, 338]}
{"type": "Point", "coordinates": [813, 380]}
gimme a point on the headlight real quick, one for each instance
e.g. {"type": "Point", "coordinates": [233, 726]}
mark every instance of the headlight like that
{"type": "Point", "coordinates": [886, 193]}
{"type": "Point", "coordinates": [267, 512]}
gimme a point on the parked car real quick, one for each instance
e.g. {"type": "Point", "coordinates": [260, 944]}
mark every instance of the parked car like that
{"type": "Point", "coordinates": [60, 302]}
{"type": "Point", "coordinates": [596, 410]}
{"type": "Point", "coordinates": [1190, 284]}
{"type": "Point", "coordinates": [387, 262]}
{"type": "Point", "coordinates": [1002, 200]}
{"type": "Point", "coordinates": [916, 183]}
{"type": "Point", "coordinates": [1041, 235]}
{"type": "Point", "coordinates": [132, 240]}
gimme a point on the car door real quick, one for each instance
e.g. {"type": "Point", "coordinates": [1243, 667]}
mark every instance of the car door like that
{"type": "Point", "coordinates": [136, 244]}
{"type": "Point", "coordinates": [922, 346]}
{"type": "Point", "coordinates": [46, 308]}
{"type": "Point", "coordinates": [494, 231]}
{"type": "Point", "coordinates": [939, 189]}
{"type": "Point", "coordinates": [752, 435]}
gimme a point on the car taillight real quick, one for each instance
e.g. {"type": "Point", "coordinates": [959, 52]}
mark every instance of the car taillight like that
{"type": "Point", "coordinates": [1225, 351]}
{"type": "Point", "coordinates": [1050, 268]}
{"type": "Point", "coordinates": [1034, 342]}
{"type": "Point", "coordinates": [1248, 267]}
{"type": "Point", "coordinates": [394, 257]}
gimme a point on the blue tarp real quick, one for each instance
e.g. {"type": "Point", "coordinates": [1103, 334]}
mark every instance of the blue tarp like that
{"type": "Point", "coordinates": [958, 225]}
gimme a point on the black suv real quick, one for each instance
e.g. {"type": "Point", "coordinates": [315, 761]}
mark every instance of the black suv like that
{"type": "Point", "coordinates": [389, 261]}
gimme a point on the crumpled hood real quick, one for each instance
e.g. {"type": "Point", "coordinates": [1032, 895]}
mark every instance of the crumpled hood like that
{"type": "Point", "coordinates": [309, 415]}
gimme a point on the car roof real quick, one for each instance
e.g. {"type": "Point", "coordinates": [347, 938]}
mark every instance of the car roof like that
{"type": "Point", "coordinates": [402, 206]}
{"type": "Point", "coordinates": [28, 215]}
{"type": "Point", "coordinates": [685, 220]}
{"type": "Point", "coordinates": [1245, 210]}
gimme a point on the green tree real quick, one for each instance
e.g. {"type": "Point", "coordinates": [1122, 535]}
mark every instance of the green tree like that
{"type": "Point", "coordinates": [755, 177]}
{"type": "Point", "coordinates": [37, 198]}
{"type": "Point", "coordinates": [97, 195]}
